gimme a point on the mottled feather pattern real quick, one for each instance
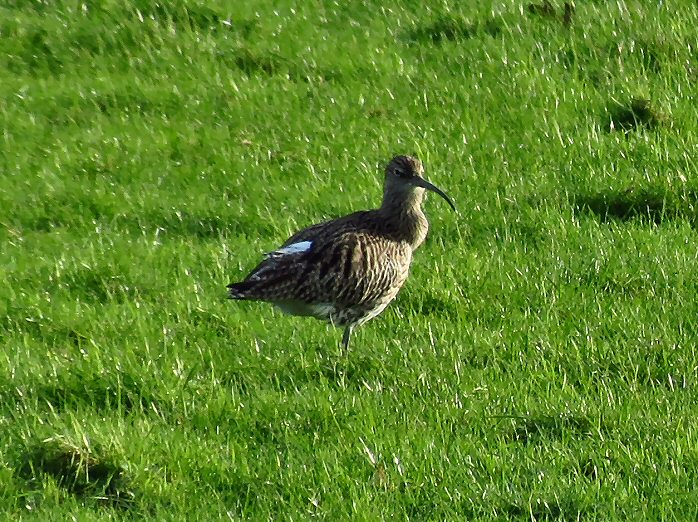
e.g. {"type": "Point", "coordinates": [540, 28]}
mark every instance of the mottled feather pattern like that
{"type": "Point", "coordinates": [349, 263]}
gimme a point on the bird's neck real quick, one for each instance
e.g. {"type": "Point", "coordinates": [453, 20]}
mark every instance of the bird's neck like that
{"type": "Point", "coordinates": [403, 215]}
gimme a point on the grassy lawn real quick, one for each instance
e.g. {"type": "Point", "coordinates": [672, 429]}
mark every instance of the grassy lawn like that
{"type": "Point", "coordinates": [541, 362]}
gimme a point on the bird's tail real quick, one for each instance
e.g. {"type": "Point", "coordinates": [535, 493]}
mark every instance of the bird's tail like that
{"type": "Point", "coordinates": [238, 290]}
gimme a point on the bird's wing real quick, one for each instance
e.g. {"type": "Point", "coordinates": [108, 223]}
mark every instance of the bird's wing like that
{"type": "Point", "coordinates": [328, 263]}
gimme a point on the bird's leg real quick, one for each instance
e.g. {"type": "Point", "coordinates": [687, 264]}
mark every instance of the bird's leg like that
{"type": "Point", "coordinates": [345, 338]}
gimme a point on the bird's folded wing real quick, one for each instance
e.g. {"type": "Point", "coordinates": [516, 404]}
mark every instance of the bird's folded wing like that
{"type": "Point", "coordinates": [350, 267]}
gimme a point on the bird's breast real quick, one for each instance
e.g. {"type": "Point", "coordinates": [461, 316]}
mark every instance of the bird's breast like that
{"type": "Point", "coordinates": [418, 228]}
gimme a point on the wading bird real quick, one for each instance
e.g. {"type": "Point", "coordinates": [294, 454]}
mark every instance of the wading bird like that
{"type": "Point", "coordinates": [349, 269]}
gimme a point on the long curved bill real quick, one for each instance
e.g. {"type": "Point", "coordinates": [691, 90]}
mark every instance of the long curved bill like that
{"type": "Point", "coordinates": [421, 182]}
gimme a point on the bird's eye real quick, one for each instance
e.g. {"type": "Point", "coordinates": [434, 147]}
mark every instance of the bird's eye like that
{"type": "Point", "coordinates": [401, 172]}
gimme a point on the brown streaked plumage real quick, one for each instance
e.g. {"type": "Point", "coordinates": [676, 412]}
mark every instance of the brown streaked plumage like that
{"type": "Point", "coordinates": [347, 270]}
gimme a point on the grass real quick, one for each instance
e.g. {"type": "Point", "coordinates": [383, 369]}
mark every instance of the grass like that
{"type": "Point", "coordinates": [541, 362]}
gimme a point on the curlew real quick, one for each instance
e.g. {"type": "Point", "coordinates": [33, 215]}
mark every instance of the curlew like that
{"type": "Point", "coordinates": [347, 270]}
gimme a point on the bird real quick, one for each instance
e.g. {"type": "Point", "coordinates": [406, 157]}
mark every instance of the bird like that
{"type": "Point", "coordinates": [347, 270]}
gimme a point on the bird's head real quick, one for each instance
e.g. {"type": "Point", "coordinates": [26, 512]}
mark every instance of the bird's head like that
{"type": "Point", "coordinates": [403, 180]}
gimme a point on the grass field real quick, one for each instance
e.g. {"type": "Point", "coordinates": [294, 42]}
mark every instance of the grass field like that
{"type": "Point", "coordinates": [540, 364]}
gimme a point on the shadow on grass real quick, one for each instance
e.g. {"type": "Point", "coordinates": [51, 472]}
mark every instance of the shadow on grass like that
{"type": "Point", "coordinates": [638, 113]}
{"type": "Point", "coordinates": [454, 28]}
{"type": "Point", "coordinates": [546, 10]}
{"type": "Point", "coordinates": [654, 204]}
{"type": "Point", "coordinates": [252, 62]}
{"type": "Point", "coordinates": [73, 388]}
{"type": "Point", "coordinates": [531, 429]}
{"type": "Point", "coordinates": [83, 471]}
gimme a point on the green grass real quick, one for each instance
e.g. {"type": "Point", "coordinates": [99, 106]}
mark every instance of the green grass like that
{"type": "Point", "coordinates": [541, 362]}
